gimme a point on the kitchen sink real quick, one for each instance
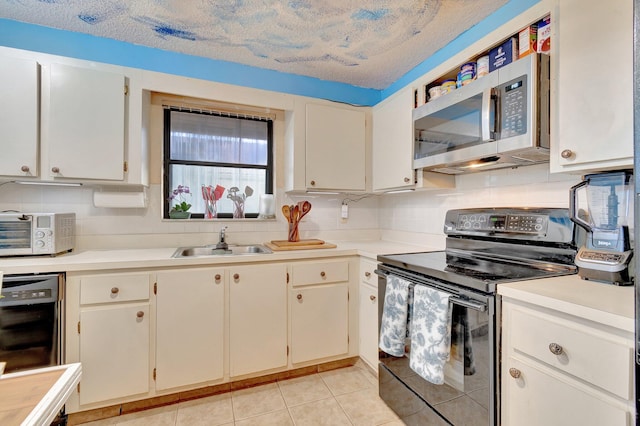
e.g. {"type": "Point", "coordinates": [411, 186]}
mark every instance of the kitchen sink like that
{"type": "Point", "coordinates": [213, 251]}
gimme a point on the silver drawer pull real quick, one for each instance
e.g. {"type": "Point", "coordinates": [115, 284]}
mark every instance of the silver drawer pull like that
{"type": "Point", "coordinates": [555, 349]}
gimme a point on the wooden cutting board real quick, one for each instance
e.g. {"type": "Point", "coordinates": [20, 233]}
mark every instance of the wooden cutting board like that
{"type": "Point", "coordinates": [299, 245]}
{"type": "Point", "coordinates": [285, 243]}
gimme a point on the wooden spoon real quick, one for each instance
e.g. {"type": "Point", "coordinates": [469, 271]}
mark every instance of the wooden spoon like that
{"type": "Point", "coordinates": [304, 208]}
{"type": "Point", "coordinates": [296, 214]}
{"type": "Point", "coordinates": [287, 213]}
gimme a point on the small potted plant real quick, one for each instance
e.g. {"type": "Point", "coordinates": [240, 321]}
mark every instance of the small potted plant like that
{"type": "Point", "coordinates": [181, 209]}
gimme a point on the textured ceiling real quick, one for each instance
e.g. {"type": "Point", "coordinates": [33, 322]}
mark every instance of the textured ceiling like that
{"type": "Point", "coordinates": [365, 43]}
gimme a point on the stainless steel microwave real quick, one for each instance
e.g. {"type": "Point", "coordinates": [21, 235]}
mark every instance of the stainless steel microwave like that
{"type": "Point", "coordinates": [499, 120]}
{"type": "Point", "coordinates": [23, 234]}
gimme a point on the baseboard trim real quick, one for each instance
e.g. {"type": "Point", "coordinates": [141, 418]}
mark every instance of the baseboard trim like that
{"type": "Point", "coordinates": [174, 398]}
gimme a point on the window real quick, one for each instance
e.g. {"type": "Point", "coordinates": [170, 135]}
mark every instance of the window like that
{"type": "Point", "coordinates": [207, 148]}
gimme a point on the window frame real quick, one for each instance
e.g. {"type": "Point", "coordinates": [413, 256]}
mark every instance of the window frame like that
{"type": "Point", "coordinates": [167, 161]}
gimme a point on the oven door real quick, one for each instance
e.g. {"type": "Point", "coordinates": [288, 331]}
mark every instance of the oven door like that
{"type": "Point", "coordinates": [469, 394]}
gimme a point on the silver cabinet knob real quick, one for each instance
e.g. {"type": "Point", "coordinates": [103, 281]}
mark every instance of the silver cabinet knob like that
{"type": "Point", "coordinates": [515, 373]}
{"type": "Point", "coordinates": [25, 169]}
{"type": "Point", "coordinates": [566, 153]}
{"type": "Point", "coordinates": [407, 180]}
{"type": "Point", "coordinates": [555, 349]}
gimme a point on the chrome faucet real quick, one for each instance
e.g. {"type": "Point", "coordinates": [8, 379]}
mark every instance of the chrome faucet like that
{"type": "Point", "coordinates": [222, 244]}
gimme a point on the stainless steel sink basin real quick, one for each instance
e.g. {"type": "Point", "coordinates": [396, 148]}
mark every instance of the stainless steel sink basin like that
{"type": "Point", "coordinates": [213, 251]}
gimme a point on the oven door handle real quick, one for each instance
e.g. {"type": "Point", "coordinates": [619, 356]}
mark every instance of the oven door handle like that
{"type": "Point", "coordinates": [476, 306]}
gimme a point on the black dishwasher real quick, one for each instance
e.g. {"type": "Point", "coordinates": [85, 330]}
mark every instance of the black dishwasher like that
{"type": "Point", "coordinates": [31, 321]}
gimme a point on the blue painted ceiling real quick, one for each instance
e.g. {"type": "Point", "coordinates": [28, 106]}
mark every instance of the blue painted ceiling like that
{"type": "Point", "coordinates": [346, 51]}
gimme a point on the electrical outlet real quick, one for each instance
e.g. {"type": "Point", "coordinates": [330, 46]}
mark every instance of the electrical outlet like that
{"type": "Point", "coordinates": [345, 211]}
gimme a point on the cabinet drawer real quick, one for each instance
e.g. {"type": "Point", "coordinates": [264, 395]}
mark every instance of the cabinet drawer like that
{"type": "Point", "coordinates": [583, 352]}
{"type": "Point", "coordinates": [367, 274]}
{"type": "Point", "coordinates": [114, 288]}
{"type": "Point", "coordinates": [319, 273]}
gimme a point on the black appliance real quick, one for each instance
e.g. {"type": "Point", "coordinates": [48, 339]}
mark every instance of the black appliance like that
{"type": "Point", "coordinates": [31, 321]}
{"type": "Point", "coordinates": [484, 247]}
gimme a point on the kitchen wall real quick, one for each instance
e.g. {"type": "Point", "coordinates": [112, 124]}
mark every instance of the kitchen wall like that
{"type": "Point", "coordinates": [415, 217]}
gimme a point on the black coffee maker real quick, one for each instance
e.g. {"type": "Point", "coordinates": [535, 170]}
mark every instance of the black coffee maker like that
{"type": "Point", "coordinates": [602, 204]}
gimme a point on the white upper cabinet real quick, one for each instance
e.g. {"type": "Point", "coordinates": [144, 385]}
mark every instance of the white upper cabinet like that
{"type": "Point", "coordinates": [83, 119]}
{"type": "Point", "coordinates": [393, 143]}
{"type": "Point", "coordinates": [592, 68]}
{"type": "Point", "coordinates": [335, 148]}
{"type": "Point", "coordinates": [19, 121]}
{"type": "Point", "coordinates": [325, 147]}
{"type": "Point", "coordinates": [64, 119]}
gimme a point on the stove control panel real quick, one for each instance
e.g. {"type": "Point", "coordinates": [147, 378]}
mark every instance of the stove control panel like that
{"type": "Point", "coordinates": [509, 223]}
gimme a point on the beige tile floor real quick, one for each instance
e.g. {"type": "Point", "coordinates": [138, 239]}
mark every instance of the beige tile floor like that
{"type": "Point", "coordinates": [347, 396]}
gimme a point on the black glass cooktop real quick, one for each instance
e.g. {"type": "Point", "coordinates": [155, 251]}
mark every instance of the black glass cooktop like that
{"type": "Point", "coordinates": [473, 272]}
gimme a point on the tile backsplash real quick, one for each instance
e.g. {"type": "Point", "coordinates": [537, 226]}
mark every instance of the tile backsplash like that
{"type": "Point", "coordinates": [415, 217]}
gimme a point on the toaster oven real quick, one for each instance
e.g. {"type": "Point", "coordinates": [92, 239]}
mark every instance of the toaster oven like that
{"type": "Point", "coordinates": [23, 234]}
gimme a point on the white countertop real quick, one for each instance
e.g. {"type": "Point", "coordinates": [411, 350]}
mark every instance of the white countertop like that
{"type": "Point", "coordinates": [161, 257]}
{"type": "Point", "coordinates": [603, 303]}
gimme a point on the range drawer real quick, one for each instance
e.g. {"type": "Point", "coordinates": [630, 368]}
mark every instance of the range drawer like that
{"type": "Point", "coordinates": [587, 353]}
{"type": "Point", "coordinates": [319, 273]}
{"type": "Point", "coordinates": [113, 288]}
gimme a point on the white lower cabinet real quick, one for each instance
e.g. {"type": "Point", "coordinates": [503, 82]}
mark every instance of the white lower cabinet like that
{"type": "Point", "coordinates": [319, 322]}
{"type": "Point", "coordinates": [563, 370]}
{"type": "Point", "coordinates": [149, 333]}
{"type": "Point", "coordinates": [189, 327]}
{"type": "Point", "coordinates": [368, 315]}
{"type": "Point", "coordinates": [257, 318]}
{"type": "Point", "coordinates": [319, 304]}
{"type": "Point", "coordinates": [111, 336]}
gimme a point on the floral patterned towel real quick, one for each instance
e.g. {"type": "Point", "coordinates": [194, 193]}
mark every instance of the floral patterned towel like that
{"type": "Point", "coordinates": [430, 333]}
{"type": "Point", "coordinates": [393, 327]}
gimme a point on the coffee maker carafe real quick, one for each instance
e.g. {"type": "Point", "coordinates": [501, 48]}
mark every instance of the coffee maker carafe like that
{"type": "Point", "coordinates": [602, 204]}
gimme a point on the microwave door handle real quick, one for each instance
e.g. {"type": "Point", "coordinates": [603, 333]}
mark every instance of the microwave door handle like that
{"type": "Point", "coordinates": [485, 114]}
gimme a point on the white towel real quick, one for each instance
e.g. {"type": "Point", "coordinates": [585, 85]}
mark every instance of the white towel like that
{"type": "Point", "coordinates": [393, 327]}
{"type": "Point", "coordinates": [430, 333]}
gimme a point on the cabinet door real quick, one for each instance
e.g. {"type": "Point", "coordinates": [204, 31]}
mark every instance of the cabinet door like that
{"type": "Point", "coordinates": [594, 60]}
{"type": "Point", "coordinates": [258, 318]}
{"type": "Point", "coordinates": [369, 324]}
{"type": "Point", "coordinates": [85, 123]}
{"type": "Point", "coordinates": [19, 118]}
{"type": "Point", "coordinates": [538, 398]}
{"type": "Point", "coordinates": [114, 351]}
{"type": "Point", "coordinates": [189, 327]}
{"type": "Point", "coordinates": [335, 148]}
{"type": "Point", "coordinates": [393, 142]}
{"type": "Point", "coordinates": [319, 322]}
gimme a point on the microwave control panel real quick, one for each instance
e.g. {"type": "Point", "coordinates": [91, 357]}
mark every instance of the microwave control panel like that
{"type": "Point", "coordinates": [513, 98]}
